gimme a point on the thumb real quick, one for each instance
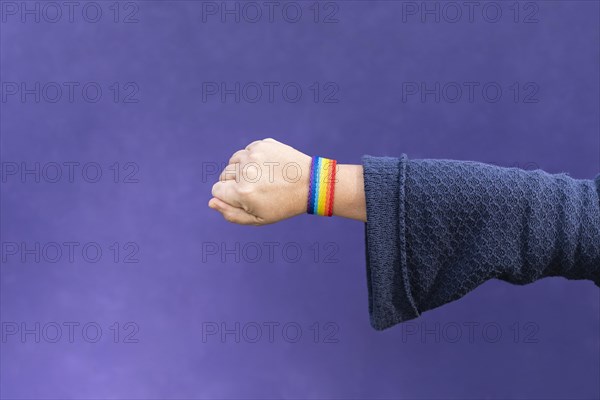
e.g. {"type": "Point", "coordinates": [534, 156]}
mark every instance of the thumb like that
{"type": "Point", "coordinates": [233, 214]}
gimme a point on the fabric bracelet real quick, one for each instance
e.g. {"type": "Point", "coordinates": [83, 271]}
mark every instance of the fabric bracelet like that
{"type": "Point", "coordinates": [322, 186]}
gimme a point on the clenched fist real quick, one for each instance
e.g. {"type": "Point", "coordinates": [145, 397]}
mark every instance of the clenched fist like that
{"type": "Point", "coordinates": [264, 183]}
{"type": "Point", "coordinates": [269, 181]}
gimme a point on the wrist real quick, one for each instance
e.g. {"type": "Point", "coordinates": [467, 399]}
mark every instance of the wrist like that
{"type": "Point", "coordinates": [322, 186]}
{"type": "Point", "coordinates": [349, 200]}
{"type": "Point", "coordinates": [303, 186]}
{"type": "Point", "coordinates": [347, 190]}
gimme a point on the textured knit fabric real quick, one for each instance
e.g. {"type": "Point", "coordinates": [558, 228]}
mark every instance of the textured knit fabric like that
{"type": "Point", "coordinates": [437, 229]}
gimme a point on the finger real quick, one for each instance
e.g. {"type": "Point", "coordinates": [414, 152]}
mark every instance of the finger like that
{"type": "Point", "coordinates": [225, 191]}
{"type": "Point", "coordinates": [212, 203]}
{"type": "Point", "coordinates": [231, 172]}
{"type": "Point", "coordinates": [270, 140]}
{"type": "Point", "coordinates": [238, 156]}
{"type": "Point", "coordinates": [233, 214]}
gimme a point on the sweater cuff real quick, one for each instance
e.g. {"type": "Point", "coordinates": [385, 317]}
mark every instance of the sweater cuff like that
{"type": "Point", "coordinates": [390, 298]}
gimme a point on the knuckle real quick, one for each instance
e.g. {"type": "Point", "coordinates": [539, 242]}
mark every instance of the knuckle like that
{"type": "Point", "coordinates": [254, 156]}
{"type": "Point", "coordinates": [253, 144]}
{"type": "Point", "coordinates": [240, 154]}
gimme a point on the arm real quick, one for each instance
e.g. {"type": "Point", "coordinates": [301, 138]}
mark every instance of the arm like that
{"type": "Point", "coordinates": [436, 229]}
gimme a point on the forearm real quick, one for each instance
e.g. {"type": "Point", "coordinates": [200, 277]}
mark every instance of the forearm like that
{"type": "Point", "coordinates": [493, 222]}
{"type": "Point", "coordinates": [456, 224]}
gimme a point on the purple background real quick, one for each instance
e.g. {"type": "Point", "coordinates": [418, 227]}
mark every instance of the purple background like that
{"type": "Point", "coordinates": [172, 135]}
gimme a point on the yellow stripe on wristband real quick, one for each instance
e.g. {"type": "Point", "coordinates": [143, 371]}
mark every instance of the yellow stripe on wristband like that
{"type": "Point", "coordinates": [323, 185]}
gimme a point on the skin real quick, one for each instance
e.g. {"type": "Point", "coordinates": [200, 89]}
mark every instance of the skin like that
{"type": "Point", "coordinates": [268, 182]}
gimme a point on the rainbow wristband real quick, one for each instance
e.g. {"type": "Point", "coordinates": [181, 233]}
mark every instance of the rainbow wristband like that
{"type": "Point", "coordinates": [322, 186]}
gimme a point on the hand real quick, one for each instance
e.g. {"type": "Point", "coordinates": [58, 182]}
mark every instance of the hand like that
{"type": "Point", "coordinates": [266, 182]}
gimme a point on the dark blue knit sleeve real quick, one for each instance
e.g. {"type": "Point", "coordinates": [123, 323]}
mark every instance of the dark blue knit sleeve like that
{"type": "Point", "coordinates": [437, 229]}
